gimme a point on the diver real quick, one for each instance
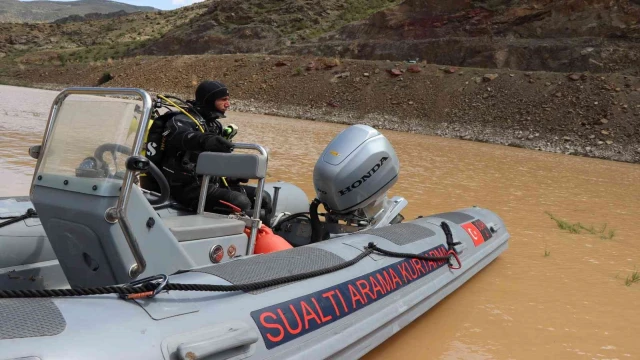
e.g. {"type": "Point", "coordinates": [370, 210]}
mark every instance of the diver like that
{"type": "Point", "coordinates": [184, 135]}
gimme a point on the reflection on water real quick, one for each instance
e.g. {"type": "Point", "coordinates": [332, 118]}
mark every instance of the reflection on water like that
{"type": "Point", "coordinates": [571, 304]}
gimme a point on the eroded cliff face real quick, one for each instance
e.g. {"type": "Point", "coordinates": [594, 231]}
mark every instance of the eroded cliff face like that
{"type": "Point", "coordinates": [575, 35]}
{"type": "Point", "coordinates": [531, 19]}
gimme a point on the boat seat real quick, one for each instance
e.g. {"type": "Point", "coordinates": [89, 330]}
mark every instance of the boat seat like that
{"type": "Point", "coordinates": [203, 226]}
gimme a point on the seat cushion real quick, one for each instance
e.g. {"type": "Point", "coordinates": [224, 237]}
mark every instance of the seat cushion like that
{"type": "Point", "coordinates": [195, 227]}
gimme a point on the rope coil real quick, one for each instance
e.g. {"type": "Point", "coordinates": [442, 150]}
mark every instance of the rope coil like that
{"type": "Point", "coordinates": [30, 213]}
{"type": "Point", "coordinates": [149, 287]}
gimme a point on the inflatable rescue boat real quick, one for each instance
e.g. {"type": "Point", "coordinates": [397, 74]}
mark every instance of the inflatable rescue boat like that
{"type": "Point", "coordinates": [93, 266]}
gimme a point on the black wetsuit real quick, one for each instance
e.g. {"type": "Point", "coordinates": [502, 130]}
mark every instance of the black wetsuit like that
{"type": "Point", "coordinates": [183, 143]}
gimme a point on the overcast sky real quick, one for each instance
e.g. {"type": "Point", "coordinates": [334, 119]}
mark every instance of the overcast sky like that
{"type": "Point", "coordinates": [158, 4]}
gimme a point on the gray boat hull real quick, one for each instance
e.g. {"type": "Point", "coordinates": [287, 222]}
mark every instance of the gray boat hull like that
{"type": "Point", "coordinates": [343, 314]}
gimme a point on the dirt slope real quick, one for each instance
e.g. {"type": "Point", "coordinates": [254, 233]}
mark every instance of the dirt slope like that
{"type": "Point", "coordinates": [584, 114]}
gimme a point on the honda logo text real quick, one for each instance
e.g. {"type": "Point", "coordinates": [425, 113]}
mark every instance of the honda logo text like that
{"type": "Point", "coordinates": [364, 177]}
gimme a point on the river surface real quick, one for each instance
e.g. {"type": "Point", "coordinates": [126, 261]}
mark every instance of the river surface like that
{"type": "Point", "coordinates": [552, 294]}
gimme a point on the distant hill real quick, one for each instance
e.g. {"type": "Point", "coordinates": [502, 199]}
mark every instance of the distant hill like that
{"type": "Point", "coordinates": [217, 26]}
{"type": "Point", "coordinates": [47, 11]}
{"type": "Point", "coordinates": [531, 35]}
{"type": "Point", "coordinates": [232, 26]}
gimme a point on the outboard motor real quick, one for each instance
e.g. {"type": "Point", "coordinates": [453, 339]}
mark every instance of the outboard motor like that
{"type": "Point", "coordinates": [355, 170]}
{"type": "Point", "coordinates": [351, 178]}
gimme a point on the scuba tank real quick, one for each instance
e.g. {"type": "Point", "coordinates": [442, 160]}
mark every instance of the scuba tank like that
{"type": "Point", "coordinates": [156, 132]}
{"type": "Point", "coordinates": [154, 140]}
{"type": "Point", "coordinates": [155, 136]}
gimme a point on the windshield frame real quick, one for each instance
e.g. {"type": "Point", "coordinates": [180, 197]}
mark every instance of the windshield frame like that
{"type": "Point", "coordinates": [138, 139]}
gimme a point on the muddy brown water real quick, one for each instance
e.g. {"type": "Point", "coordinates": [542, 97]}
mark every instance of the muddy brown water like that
{"type": "Point", "coordinates": [571, 304]}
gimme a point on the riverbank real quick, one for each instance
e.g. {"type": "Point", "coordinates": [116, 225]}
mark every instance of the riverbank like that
{"type": "Point", "coordinates": [594, 115]}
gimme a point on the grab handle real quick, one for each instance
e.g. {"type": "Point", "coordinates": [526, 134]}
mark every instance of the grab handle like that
{"type": "Point", "coordinates": [236, 341]}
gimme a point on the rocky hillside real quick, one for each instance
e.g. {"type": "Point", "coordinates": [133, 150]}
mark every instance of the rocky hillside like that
{"type": "Point", "coordinates": [571, 35]}
{"type": "Point", "coordinates": [46, 11]}
{"type": "Point", "coordinates": [568, 35]}
{"type": "Point", "coordinates": [228, 26]}
{"type": "Point", "coordinates": [601, 36]}
{"type": "Point", "coordinates": [87, 41]}
{"type": "Point", "coordinates": [90, 17]}
{"type": "Point", "coordinates": [249, 26]}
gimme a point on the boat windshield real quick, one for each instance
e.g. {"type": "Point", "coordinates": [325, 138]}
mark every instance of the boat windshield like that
{"type": "Point", "coordinates": [91, 137]}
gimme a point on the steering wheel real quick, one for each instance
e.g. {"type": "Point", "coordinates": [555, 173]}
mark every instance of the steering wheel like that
{"type": "Point", "coordinates": [111, 148]}
{"type": "Point", "coordinates": [153, 169]}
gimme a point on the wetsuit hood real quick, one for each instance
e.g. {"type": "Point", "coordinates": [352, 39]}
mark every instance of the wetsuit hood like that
{"type": "Point", "coordinates": [208, 92]}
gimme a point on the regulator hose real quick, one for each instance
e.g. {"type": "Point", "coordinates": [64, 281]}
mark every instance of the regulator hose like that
{"type": "Point", "coordinates": [183, 111]}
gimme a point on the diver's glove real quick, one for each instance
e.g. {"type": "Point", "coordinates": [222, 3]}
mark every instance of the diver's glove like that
{"type": "Point", "coordinates": [218, 144]}
{"type": "Point", "coordinates": [230, 131]}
